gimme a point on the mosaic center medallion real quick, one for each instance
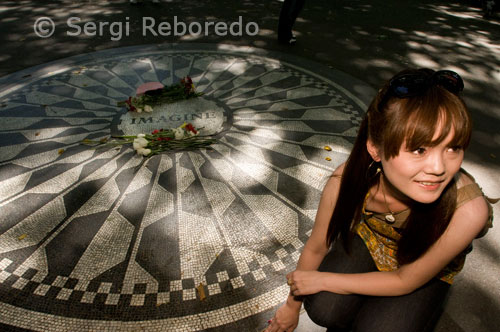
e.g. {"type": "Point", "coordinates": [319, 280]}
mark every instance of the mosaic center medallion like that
{"type": "Point", "coordinates": [202, 112]}
{"type": "Point", "coordinates": [100, 239]}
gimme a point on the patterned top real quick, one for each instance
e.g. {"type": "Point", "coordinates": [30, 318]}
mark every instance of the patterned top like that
{"type": "Point", "coordinates": [381, 238]}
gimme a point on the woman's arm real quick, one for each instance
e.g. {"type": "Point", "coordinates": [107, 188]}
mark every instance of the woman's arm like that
{"type": "Point", "coordinates": [466, 223]}
{"type": "Point", "coordinates": [315, 249]}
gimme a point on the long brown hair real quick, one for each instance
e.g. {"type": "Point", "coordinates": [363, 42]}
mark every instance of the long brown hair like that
{"type": "Point", "coordinates": [390, 122]}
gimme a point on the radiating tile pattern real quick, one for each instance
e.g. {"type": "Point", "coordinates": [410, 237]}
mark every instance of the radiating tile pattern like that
{"type": "Point", "coordinates": [101, 240]}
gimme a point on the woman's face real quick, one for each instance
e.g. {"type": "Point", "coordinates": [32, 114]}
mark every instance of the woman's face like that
{"type": "Point", "coordinates": [423, 174]}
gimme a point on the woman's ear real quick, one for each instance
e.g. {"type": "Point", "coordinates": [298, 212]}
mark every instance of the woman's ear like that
{"type": "Point", "coordinates": [373, 150]}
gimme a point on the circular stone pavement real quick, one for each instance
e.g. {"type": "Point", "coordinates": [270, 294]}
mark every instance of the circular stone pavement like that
{"type": "Point", "coordinates": [100, 240]}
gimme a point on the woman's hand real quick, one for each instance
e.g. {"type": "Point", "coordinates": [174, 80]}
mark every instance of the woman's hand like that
{"type": "Point", "coordinates": [285, 319]}
{"type": "Point", "coordinates": [305, 282]}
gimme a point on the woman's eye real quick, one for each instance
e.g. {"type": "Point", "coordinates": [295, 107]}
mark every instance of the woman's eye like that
{"type": "Point", "coordinates": [456, 148]}
{"type": "Point", "coordinates": [419, 151]}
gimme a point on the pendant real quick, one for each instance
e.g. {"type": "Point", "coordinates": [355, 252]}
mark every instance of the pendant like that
{"type": "Point", "coordinates": [390, 218]}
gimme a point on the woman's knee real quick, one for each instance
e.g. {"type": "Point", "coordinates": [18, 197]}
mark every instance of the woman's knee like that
{"type": "Point", "coordinates": [332, 310]}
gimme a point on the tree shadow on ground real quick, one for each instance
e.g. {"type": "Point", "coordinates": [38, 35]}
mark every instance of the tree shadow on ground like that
{"type": "Point", "coordinates": [370, 40]}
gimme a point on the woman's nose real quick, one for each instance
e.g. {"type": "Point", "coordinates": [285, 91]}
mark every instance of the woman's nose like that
{"type": "Point", "coordinates": [435, 164]}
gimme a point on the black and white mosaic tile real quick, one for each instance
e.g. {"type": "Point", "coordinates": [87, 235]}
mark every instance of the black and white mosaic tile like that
{"type": "Point", "coordinates": [100, 240]}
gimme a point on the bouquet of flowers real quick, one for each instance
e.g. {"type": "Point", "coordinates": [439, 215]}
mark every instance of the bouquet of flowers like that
{"type": "Point", "coordinates": [161, 95]}
{"type": "Point", "coordinates": [184, 137]}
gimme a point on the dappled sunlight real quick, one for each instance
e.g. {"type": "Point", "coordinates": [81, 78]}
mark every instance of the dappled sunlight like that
{"type": "Point", "coordinates": [422, 60]}
{"type": "Point", "coordinates": [455, 11]}
{"type": "Point", "coordinates": [266, 32]}
{"type": "Point", "coordinates": [191, 37]}
{"type": "Point", "coordinates": [239, 68]}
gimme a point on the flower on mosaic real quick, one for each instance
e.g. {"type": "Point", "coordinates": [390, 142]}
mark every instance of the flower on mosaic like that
{"type": "Point", "coordinates": [129, 104]}
{"type": "Point", "coordinates": [184, 137]}
{"type": "Point", "coordinates": [163, 95]}
{"type": "Point", "coordinates": [143, 151]}
{"type": "Point", "coordinates": [140, 143]}
{"type": "Point", "coordinates": [191, 129]}
{"type": "Point", "coordinates": [178, 133]}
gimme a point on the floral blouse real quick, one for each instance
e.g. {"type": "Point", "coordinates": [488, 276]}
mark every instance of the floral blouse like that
{"type": "Point", "coordinates": [381, 237]}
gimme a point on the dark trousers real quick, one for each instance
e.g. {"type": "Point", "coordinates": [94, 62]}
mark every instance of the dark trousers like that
{"type": "Point", "coordinates": [414, 312]}
{"type": "Point", "coordinates": [289, 12]}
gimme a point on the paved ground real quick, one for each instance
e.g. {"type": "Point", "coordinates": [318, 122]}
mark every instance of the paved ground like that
{"type": "Point", "coordinates": [368, 41]}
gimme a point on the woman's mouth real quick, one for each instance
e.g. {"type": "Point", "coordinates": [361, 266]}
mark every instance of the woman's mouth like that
{"type": "Point", "coordinates": [429, 185]}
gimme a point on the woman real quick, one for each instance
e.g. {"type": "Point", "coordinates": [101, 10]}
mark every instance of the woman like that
{"type": "Point", "coordinates": [395, 221]}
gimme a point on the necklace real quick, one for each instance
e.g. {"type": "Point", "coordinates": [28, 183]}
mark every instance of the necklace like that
{"type": "Point", "coordinates": [388, 217]}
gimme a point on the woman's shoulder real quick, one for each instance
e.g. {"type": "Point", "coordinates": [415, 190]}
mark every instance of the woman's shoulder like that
{"type": "Point", "coordinates": [336, 177]}
{"type": "Point", "coordinates": [471, 197]}
{"type": "Point", "coordinates": [464, 178]}
{"type": "Point", "coordinates": [467, 187]}
{"type": "Point", "coordinates": [332, 186]}
{"type": "Point", "coordinates": [338, 171]}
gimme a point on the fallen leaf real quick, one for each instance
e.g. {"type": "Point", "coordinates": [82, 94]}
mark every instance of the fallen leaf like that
{"type": "Point", "coordinates": [60, 151]}
{"type": "Point", "coordinates": [37, 134]}
{"type": "Point", "coordinates": [22, 237]}
{"type": "Point", "coordinates": [201, 291]}
{"type": "Point", "coordinates": [493, 156]}
{"type": "Point", "coordinates": [328, 159]}
{"type": "Point", "coordinates": [327, 148]}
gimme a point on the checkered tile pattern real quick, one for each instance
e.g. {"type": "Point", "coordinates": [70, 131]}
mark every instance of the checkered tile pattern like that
{"type": "Point", "coordinates": [66, 287]}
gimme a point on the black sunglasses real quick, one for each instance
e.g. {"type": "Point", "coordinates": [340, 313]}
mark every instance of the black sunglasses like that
{"type": "Point", "coordinates": [409, 85]}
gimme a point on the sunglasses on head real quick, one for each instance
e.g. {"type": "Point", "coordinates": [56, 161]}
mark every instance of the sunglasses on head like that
{"type": "Point", "coordinates": [409, 85]}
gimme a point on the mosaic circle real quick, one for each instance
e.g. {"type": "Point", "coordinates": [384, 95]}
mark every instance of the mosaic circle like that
{"type": "Point", "coordinates": [185, 241]}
